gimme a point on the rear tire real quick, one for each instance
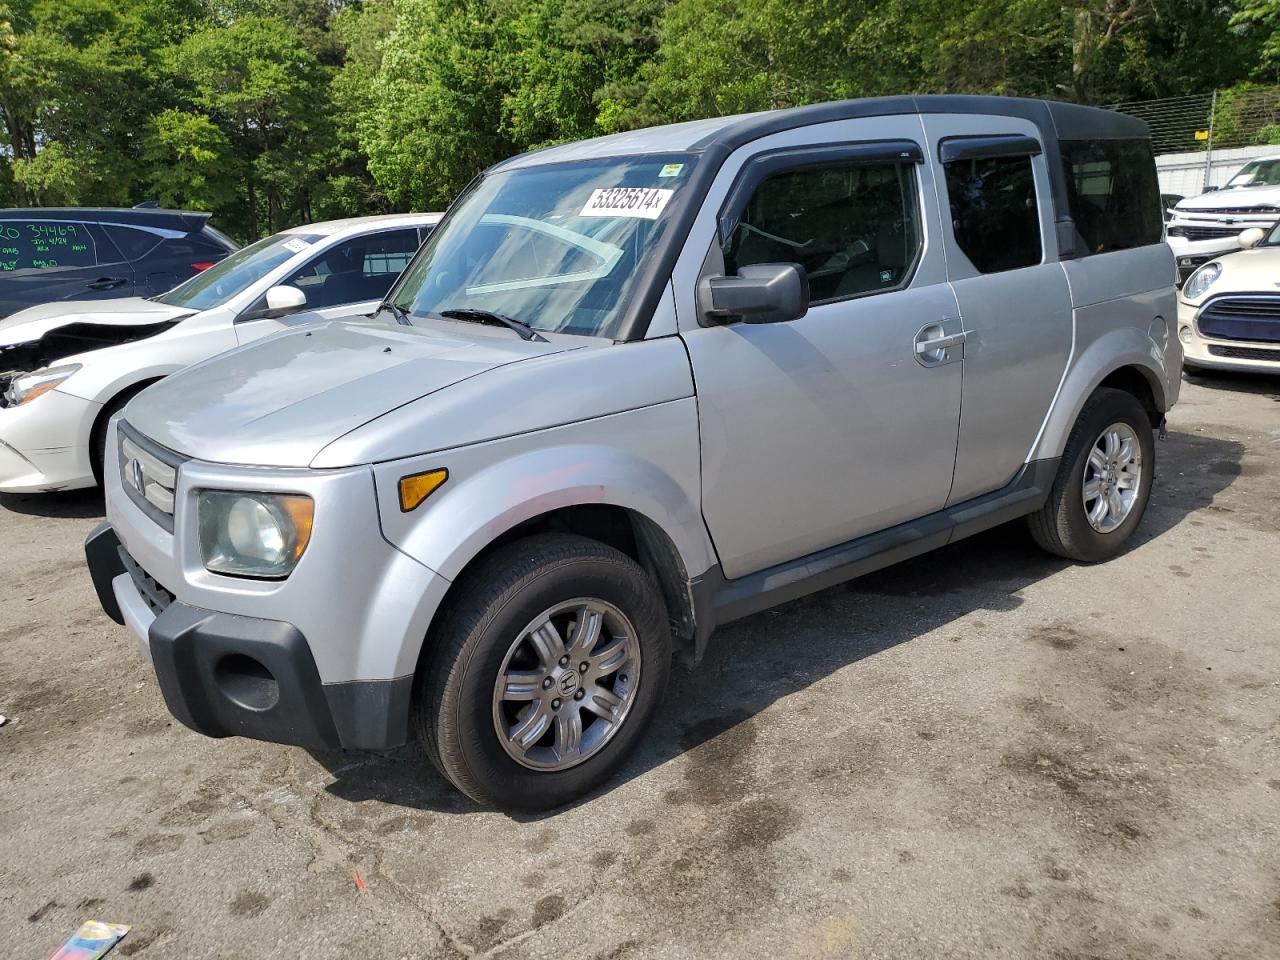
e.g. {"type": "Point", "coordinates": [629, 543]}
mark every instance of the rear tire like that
{"type": "Point", "coordinates": [1103, 482]}
{"type": "Point", "coordinates": [545, 630]}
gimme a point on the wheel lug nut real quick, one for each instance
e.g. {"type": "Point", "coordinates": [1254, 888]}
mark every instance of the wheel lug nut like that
{"type": "Point", "coordinates": [582, 667]}
{"type": "Point", "coordinates": [546, 683]}
{"type": "Point", "coordinates": [580, 694]}
{"type": "Point", "coordinates": [555, 704]}
{"type": "Point", "coordinates": [564, 660]}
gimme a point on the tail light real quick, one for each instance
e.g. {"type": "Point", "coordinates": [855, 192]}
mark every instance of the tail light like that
{"type": "Point", "coordinates": [203, 265]}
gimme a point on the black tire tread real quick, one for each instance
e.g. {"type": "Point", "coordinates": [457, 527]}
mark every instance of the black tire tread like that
{"type": "Point", "coordinates": [495, 582]}
{"type": "Point", "coordinates": [1050, 526]}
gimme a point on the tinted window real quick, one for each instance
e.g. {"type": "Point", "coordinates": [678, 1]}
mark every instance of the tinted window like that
{"type": "Point", "coordinates": [359, 269]}
{"type": "Point", "coordinates": [993, 212]}
{"type": "Point", "coordinates": [854, 227]}
{"type": "Point", "coordinates": [131, 241]}
{"type": "Point", "coordinates": [45, 245]}
{"type": "Point", "coordinates": [1113, 193]}
{"type": "Point", "coordinates": [229, 277]}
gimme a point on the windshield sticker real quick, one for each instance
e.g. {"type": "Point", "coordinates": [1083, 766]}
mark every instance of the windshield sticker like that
{"type": "Point", "coordinates": [296, 245]}
{"type": "Point", "coordinates": [644, 202]}
{"type": "Point", "coordinates": [671, 170]}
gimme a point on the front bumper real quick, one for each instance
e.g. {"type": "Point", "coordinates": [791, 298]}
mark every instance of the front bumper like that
{"type": "Point", "coordinates": [229, 675]}
{"type": "Point", "coordinates": [1214, 354]}
{"type": "Point", "coordinates": [44, 445]}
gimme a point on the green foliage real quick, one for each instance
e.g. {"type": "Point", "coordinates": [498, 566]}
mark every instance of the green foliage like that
{"type": "Point", "coordinates": [274, 112]}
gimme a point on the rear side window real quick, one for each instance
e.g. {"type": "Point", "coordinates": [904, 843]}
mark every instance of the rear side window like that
{"type": "Point", "coordinates": [362, 268]}
{"type": "Point", "coordinates": [993, 212]}
{"type": "Point", "coordinates": [46, 245]}
{"type": "Point", "coordinates": [131, 241]}
{"type": "Point", "coordinates": [1113, 194]}
{"type": "Point", "coordinates": [854, 227]}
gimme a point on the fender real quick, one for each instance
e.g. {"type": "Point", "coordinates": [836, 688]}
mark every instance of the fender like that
{"type": "Point", "coordinates": [1109, 352]}
{"type": "Point", "coordinates": [643, 460]}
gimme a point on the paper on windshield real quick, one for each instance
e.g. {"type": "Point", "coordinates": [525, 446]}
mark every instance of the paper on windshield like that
{"type": "Point", "coordinates": [646, 203]}
{"type": "Point", "coordinates": [296, 244]}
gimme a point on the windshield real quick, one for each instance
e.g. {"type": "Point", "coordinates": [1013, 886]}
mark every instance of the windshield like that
{"type": "Point", "coordinates": [1259, 173]}
{"type": "Point", "coordinates": [556, 246]}
{"type": "Point", "coordinates": [226, 278]}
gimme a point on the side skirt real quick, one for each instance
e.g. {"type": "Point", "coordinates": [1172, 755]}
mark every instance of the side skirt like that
{"type": "Point", "coordinates": [718, 601]}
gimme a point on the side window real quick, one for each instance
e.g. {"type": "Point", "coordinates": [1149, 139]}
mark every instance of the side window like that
{"type": "Point", "coordinates": [1113, 194]}
{"type": "Point", "coordinates": [993, 211]}
{"type": "Point", "coordinates": [45, 245]}
{"type": "Point", "coordinates": [362, 268]}
{"type": "Point", "coordinates": [132, 242]}
{"type": "Point", "coordinates": [854, 227]}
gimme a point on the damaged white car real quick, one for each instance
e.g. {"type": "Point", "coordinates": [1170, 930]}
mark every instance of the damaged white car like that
{"type": "Point", "coordinates": [66, 367]}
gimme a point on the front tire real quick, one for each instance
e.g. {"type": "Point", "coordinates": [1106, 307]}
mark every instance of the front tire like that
{"type": "Point", "coordinates": [544, 673]}
{"type": "Point", "coordinates": [1103, 482]}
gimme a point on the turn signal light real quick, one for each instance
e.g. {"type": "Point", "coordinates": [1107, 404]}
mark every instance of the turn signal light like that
{"type": "Point", "coordinates": [418, 486]}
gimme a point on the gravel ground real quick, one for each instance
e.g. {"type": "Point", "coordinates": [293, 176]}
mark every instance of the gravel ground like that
{"type": "Point", "coordinates": [981, 753]}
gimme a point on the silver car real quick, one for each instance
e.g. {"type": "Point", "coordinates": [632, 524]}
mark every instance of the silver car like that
{"type": "Point", "coordinates": [632, 389]}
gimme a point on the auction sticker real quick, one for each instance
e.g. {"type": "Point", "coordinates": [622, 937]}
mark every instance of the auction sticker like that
{"type": "Point", "coordinates": [296, 245]}
{"type": "Point", "coordinates": [644, 202]}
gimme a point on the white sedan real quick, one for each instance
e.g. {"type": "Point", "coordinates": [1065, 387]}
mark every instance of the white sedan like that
{"type": "Point", "coordinates": [66, 367]}
{"type": "Point", "coordinates": [1229, 309]}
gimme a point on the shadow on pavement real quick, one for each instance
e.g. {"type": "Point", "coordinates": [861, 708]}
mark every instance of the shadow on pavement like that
{"type": "Point", "coordinates": [1260, 383]}
{"type": "Point", "coordinates": [757, 661]}
{"type": "Point", "coordinates": [73, 504]}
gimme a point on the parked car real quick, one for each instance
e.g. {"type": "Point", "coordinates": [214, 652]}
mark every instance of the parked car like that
{"type": "Point", "coordinates": [65, 368]}
{"type": "Point", "coordinates": [1168, 201]}
{"type": "Point", "coordinates": [1251, 198]}
{"type": "Point", "coordinates": [633, 389]}
{"type": "Point", "coordinates": [1191, 255]}
{"type": "Point", "coordinates": [1229, 310]}
{"type": "Point", "coordinates": [49, 253]}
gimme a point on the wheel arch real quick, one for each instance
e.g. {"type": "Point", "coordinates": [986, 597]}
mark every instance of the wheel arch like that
{"type": "Point", "coordinates": [1126, 361]}
{"type": "Point", "coordinates": [112, 405]}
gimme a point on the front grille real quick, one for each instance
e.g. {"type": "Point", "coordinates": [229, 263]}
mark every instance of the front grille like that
{"type": "Point", "coordinates": [1254, 318]}
{"type": "Point", "coordinates": [1211, 233]}
{"type": "Point", "coordinates": [153, 592]}
{"type": "Point", "coordinates": [149, 475]}
{"type": "Point", "coordinates": [1244, 353]}
{"type": "Point", "coordinates": [1257, 211]}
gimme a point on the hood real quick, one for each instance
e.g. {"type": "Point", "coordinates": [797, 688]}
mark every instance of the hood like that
{"type": "Point", "coordinates": [1245, 271]}
{"type": "Point", "coordinates": [1234, 198]}
{"type": "Point", "coordinates": [34, 322]}
{"type": "Point", "coordinates": [277, 402]}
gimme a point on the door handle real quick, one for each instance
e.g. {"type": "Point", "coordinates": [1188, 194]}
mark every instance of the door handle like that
{"type": "Point", "coordinates": [940, 343]}
{"type": "Point", "coordinates": [106, 283]}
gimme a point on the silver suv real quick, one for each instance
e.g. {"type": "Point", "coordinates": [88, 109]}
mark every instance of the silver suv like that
{"type": "Point", "coordinates": [630, 390]}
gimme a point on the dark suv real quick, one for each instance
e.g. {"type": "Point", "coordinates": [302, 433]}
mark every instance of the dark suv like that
{"type": "Point", "coordinates": [89, 253]}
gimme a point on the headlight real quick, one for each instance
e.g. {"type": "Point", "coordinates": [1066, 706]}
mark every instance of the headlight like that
{"type": "Point", "coordinates": [25, 387]}
{"type": "Point", "coordinates": [1200, 281]}
{"type": "Point", "coordinates": [253, 534]}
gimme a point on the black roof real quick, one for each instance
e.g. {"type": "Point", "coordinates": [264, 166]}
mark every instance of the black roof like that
{"type": "Point", "coordinates": [185, 220]}
{"type": "Point", "coordinates": [1056, 120]}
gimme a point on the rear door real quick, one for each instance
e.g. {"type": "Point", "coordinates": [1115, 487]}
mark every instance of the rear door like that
{"type": "Point", "coordinates": [1002, 260]}
{"type": "Point", "coordinates": [47, 260]}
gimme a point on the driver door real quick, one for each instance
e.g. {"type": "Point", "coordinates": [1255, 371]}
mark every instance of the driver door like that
{"type": "Point", "coordinates": [823, 429]}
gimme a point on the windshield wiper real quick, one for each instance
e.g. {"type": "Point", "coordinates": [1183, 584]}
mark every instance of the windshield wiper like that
{"type": "Point", "coordinates": [525, 331]}
{"type": "Point", "coordinates": [397, 311]}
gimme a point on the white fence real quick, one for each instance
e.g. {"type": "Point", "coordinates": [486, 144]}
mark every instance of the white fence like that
{"type": "Point", "coordinates": [1184, 173]}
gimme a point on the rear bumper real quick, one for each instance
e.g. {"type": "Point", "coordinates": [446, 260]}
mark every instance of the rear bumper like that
{"type": "Point", "coordinates": [226, 675]}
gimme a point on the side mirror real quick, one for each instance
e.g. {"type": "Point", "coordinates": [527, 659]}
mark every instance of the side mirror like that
{"type": "Point", "coordinates": [760, 293]}
{"type": "Point", "coordinates": [1211, 189]}
{"type": "Point", "coordinates": [1251, 237]}
{"type": "Point", "coordinates": [285, 299]}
